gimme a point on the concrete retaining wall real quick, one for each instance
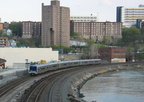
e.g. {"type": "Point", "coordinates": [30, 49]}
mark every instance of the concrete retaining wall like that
{"type": "Point", "coordinates": [22, 73]}
{"type": "Point", "coordinates": [7, 78]}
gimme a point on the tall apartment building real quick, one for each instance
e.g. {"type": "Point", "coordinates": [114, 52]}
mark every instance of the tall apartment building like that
{"type": "Point", "coordinates": [30, 29]}
{"type": "Point", "coordinates": [129, 15]}
{"type": "Point", "coordinates": [27, 29]}
{"type": "Point", "coordinates": [98, 31]}
{"type": "Point", "coordinates": [37, 29]}
{"type": "Point", "coordinates": [84, 18]}
{"type": "Point", "coordinates": [55, 24]}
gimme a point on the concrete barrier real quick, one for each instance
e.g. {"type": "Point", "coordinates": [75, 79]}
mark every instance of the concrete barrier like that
{"type": "Point", "coordinates": [21, 73]}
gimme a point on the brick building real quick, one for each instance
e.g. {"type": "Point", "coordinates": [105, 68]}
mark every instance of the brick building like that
{"type": "Point", "coordinates": [113, 55]}
{"type": "Point", "coordinates": [55, 24]}
{"type": "Point", "coordinates": [30, 29]}
{"type": "Point", "coordinates": [1, 26]}
{"type": "Point", "coordinates": [37, 29]}
{"type": "Point", "coordinates": [98, 31]}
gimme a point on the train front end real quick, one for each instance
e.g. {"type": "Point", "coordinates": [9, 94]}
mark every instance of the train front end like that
{"type": "Point", "coordinates": [33, 70]}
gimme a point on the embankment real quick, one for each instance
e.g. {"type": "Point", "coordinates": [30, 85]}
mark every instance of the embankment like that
{"type": "Point", "coordinates": [71, 89]}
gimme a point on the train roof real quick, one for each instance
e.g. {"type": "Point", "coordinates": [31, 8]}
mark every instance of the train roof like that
{"type": "Point", "coordinates": [39, 65]}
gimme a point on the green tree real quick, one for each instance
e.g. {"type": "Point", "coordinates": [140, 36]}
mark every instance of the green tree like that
{"type": "Point", "coordinates": [4, 35]}
{"type": "Point", "coordinates": [55, 46]}
{"type": "Point", "coordinates": [16, 28]}
{"type": "Point", "coordinates": [74, 35]}
{"type": "Point", "coordinates": [129, 53]}
{"type": "Point", "coordinates": [87, 51]}
{"type": "Point", "coordinates": [131, 35]}
{"type": "Point", "coordinates": [142, 34]}
{"type": "Point", "coordinates": [106, 40]}
{"type": "Point", "coordinates": [37, 41]}
{"type": "Point", "coordinates": [142, 30]}
{"type": "Point", "coordinates": [120, 42]}
{"type": "Point", "coordinates": [89, 42]}
{"type": "Point", "coordinates": [100, 46]}
{"type": "Point", "coordinates": [29, 42]}
{"type": "Point", "coordinates": [62, 49]}
{"type": "Point", "coordinates": [141, 57]}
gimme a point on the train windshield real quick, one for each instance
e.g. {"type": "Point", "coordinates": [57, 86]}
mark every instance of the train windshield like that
{"type": "Point", "coordinates": [33, 68]}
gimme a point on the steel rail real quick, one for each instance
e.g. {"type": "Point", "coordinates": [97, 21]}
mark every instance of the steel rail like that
{"type": "Point", "coordinates": [11, 85]}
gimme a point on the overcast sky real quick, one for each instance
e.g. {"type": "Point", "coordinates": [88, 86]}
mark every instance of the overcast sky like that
{"type": "Point", "coordinates": [30, 10]}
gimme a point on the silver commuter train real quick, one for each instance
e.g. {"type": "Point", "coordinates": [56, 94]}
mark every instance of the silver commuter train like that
{"type": "Point", "coordinates": [42, 68]}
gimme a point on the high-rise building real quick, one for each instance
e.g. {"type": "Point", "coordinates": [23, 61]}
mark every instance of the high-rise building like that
{"type": "Point", "coordinates": [55, 24]}
{"type": "Point", "coordinates": [139, 23]}
{"type": "Point", "coordinates": [98, 31]}
{"type": "Point", "coordinates": [37, 29]}
{"type": "Point", "coordinates": [129, 15]}
{"type": "Point", "coordinates": [27, 29]}
{"type": "Point", "coordinates": [30, 29]}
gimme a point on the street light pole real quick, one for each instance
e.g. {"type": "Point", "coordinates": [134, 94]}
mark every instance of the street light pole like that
{"type": "Point", "coordinates": [27, 64]}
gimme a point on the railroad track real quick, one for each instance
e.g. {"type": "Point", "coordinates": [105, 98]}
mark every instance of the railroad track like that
{"type": "Point", "coordinates": [35, 91]}
{"type": "Point", "coordinates": [49, 88]}
{"type": "Point", "coordinates": [55, 90]}
{"type": "Point", "coordinates": [11, 85]}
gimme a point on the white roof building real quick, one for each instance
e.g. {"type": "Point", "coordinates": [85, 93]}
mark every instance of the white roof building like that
{"type": "Point", "coordinates": [20, 55]}
{"type": "Point", "coordinates": [84, 18]}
